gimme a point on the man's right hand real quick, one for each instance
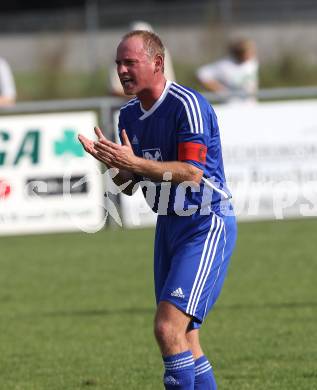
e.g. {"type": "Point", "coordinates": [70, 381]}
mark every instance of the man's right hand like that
{"type": "Point", "coordinates": [88, 144]}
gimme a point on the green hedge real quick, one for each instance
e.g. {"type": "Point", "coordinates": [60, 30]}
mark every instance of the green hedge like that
{"type": "Point", "coordinates": [54, 84]}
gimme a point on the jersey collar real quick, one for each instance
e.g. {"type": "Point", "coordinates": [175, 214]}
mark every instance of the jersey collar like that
{"type": "Point", "coordinates": [147, 113]}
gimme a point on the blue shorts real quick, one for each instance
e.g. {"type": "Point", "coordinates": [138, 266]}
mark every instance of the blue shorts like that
{"type": "Point", "coordinates": [191, 258]}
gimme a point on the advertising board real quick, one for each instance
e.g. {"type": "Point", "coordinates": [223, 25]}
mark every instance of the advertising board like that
{"type": "Point", "coordinates": [47, 182]}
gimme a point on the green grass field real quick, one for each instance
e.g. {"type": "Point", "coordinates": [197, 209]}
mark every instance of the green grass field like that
{"type": "Point", "coordinates": [77, 311]}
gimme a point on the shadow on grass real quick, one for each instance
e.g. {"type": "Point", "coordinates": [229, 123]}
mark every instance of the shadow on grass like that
{"type": "Point", "coordinates": [268, 305]}
{"type": "Point", "coordinates": [98, 313]}
{"type": "Point", "coordinates": [141, 311]}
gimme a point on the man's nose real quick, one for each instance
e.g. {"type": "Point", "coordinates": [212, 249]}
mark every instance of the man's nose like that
{"type": "Point", "coordinates": [121, 68]}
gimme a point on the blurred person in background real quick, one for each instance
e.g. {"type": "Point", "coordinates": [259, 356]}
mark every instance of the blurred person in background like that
{"type": "Point", "coordinates": [114, 81]}
{"type": "Point", "coordinates": [7, 85]}
{"type": "Point", "coordinates": [235, 76]}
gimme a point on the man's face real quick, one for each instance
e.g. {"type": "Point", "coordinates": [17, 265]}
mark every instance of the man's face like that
{"type": "Point", "coordinates": [134, 66]}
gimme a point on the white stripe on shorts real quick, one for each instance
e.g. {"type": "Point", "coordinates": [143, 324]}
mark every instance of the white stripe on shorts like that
{"type": "Point", "coordinates": [205, 264]}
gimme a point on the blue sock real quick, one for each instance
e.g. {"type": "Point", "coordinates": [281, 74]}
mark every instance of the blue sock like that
{"type": "Point", "coordinates": [204, 376]}
{"type": "Point", "coordinates": [179, 371]}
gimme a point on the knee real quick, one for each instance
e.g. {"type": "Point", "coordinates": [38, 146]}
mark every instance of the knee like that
{"type": "Point", "coordinates": [164, 331]}
{"type": "Point", "coordinates": [168, 334]}
{"type": "Point", "coordinates": [170, 327]}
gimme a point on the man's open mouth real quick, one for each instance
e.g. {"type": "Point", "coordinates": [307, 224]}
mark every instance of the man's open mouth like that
{"type": "Point", "coordinates": [127, 81]}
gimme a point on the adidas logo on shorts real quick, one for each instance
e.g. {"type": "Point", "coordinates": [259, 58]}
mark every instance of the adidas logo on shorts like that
{"type": "Point", "coordinates": [178, 293]}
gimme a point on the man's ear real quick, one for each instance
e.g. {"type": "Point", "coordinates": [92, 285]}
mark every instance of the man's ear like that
{"type": "Point", "coordinates": [159, 63]}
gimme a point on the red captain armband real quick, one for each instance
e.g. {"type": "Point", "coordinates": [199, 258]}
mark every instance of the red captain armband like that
{"type": "Point", "coordinates": [192, 151]}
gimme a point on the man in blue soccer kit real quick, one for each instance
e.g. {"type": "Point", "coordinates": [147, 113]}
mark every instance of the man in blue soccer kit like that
{"type": "Point", "coordinates": [171, 148]}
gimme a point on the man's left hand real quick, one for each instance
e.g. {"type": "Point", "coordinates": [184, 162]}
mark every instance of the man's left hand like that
{"type": "Point", "coordinates": [118, 156]}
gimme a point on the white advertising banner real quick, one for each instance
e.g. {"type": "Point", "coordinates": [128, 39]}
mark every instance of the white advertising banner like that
{"type": "Point", "coordinates": [47, 182]}
{"type": "Point", "coordinates": [270, 158]}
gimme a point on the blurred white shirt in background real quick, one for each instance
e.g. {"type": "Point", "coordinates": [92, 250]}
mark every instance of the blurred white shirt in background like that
{"type": "Point", "coordinates": [237, 78]}
{"type": "Point", "coordinates": [7, 85]}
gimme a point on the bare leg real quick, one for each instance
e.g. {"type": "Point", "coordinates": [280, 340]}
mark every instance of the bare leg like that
{"type": "Point", "coordinates": [204, 376]}
{"type": "Point", "coordinates": [170, 329]}
{"type": "Point", "coordinates": [192, 337]}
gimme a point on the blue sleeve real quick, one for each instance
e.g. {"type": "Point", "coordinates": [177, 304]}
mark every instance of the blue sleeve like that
{"type": "Point", "coordinates": [193, 128]}
{"type": "Point", "coordinates": [120, 127]}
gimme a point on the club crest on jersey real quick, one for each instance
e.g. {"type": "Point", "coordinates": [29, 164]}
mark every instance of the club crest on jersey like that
{"type": "Point", "coordinates": [152, 154]}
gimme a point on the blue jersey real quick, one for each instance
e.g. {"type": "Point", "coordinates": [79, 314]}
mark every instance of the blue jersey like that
{"type": "Point", "coordinates": [180, 126]}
